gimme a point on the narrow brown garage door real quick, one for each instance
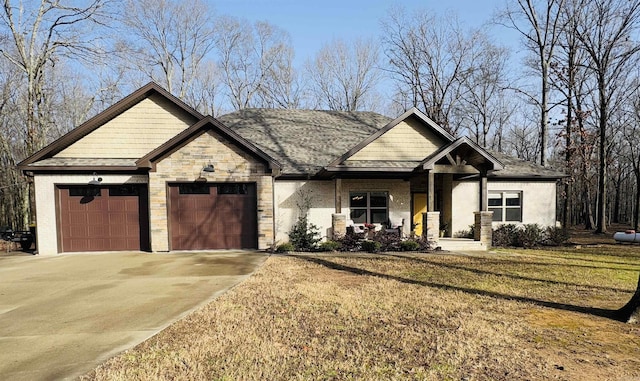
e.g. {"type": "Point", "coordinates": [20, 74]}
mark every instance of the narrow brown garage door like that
{"type": "Point", "coordinates": [103, 218]}
{"type": "Point", "coordinates": [213, 216]}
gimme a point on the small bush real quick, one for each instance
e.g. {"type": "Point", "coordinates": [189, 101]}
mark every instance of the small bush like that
{"type": "Point", "coordinates": [304, 236]}
{"type": "Point", "coordinates": [505, 236]}
{"type": "Point", "coordinates": [388, 241]}
{"type": "Point", "coordinates": [284, 248]}
{"type": "Point", "coordinates": [371, 246]}
{"type": "Point", "coordinates": [466, 233]}
{"type": "Point", "coordinates": [329, 246]}
{"type": "Point", "coordinates": [555, 236]}
{"type": "Point", "coordinates": [530, 235]}
{"type": "Point", "coordinates": [409, 245]}
{"type": "Point", "coordinates": [349, 242]}
{"type": "Point", "coordinates": [527, 236]}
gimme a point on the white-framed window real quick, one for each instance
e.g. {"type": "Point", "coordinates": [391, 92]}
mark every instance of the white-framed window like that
{"type": "Point", "coordinates": [506, 206]}
{"type": "Point", "coordinates": [369, 207]}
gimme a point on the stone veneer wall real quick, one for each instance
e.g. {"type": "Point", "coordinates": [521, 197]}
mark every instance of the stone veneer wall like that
{"type": "Point", "coordinates": [231, 164]}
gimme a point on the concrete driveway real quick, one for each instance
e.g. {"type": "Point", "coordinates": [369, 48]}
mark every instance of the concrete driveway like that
{"type": "Point", "coordinates": [61, 316]}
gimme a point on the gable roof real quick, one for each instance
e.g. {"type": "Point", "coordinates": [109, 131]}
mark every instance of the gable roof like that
{"type": "Point", "coordinates": [303, 141]}
{"type": "Point", "coordinates": [105, 116]}
{"type": "Point", "coordinates": [474, 154]}
{"type": "Point", "coordinates": [411, 112]}
{"type": "Point", "coordinates": [206, 123]}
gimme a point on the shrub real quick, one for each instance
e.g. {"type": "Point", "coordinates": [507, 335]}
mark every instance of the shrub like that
{"type": "Point", "coordinates": [505, 235]}
{"type": "Point", "coordinates": [388, 241]}
{"type": "Point", "coordinates": [329, 245]}
{"type": "Point", "coordinates": [284, 248]}
{"type": "Point", "coordinates": [409, 245]}
{"type": "Point", "coordinates": [466, 233]}
{"type": "Point", "coordinates": [555, 236]}
{"type": "Point", "coordinates": [349, 242]}
{"type": "Point", "coordinates": [304, 236]}
{"type": "Point", "coordinates": [530, 235]}
{"type": "Point", "coordinates": [526, 236]}
{"type": "Point", "coordinates": [371, 246]}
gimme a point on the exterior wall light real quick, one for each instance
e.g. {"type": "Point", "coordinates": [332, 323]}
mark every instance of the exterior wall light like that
{"type": "Point", "coordinates": [96, 180]}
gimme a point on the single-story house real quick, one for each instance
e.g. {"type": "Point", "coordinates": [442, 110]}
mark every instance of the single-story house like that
{"type": "Point", "coordinates": [151, 173]}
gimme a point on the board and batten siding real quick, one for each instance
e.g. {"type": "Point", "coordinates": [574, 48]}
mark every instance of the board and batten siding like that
{"type": "Point", "coordinates": [134, 133]}
{"type": "Point", "coordinates": [408, 140]}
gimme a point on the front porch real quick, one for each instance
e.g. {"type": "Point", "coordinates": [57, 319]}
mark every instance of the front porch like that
{"type": "Point", "coordinates": [436, 211]}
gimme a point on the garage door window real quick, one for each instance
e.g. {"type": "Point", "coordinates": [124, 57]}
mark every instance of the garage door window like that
{"type": "Point", "coordinates": [194, 188]}
{"type": "Point", "coordinates": [84, 192]}
{"type": "Point", "coordinates": [233, 189]}
{"type": "Point", "coordinates": [125, 190]}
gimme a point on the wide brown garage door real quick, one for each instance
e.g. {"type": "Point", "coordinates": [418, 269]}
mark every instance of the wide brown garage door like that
{"type": "Point", "coordinates": [103, 218]}
{"type": "Point", "coordinates": [213, 216]}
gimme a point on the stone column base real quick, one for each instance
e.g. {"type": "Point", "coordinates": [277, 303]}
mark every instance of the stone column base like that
{"type": "Point", "coordinates": [338, 225]}
{"type": "Point", "coordinates": [431, 226]}
{"type": "Point", "coordinates": [482, 230]}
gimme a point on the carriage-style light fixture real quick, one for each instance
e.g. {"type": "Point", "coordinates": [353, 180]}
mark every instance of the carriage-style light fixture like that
{"type": "Point", "coordinates": [96, 180]}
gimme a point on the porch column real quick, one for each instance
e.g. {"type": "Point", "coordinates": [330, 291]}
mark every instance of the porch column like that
{"type": "Point", "coordinates": [431, 191]}
{"type": "Point", "coordinates": [338, 220]}
{"type": "Point", "coordinates": [484, 196]}
{"type": "Point", "coordinates": [482, 230]}
{"type": "Point", "coordinates": [431, 227]}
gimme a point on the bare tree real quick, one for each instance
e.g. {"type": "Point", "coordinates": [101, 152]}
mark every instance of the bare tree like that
{"type": "Point", "coordinates": [344, 77]}
{"type": "Point", "coordinates": [605, 29]}
{"type": "Point", "coordinates": [483, 106]}
{"type": "Point", "coordinates": [168, 40]}
{"type": "Point", "coordinates": [252, 58]}
{"type": "Point", "coordinates": [39, 34]}
{"type": "Point", "coordinates": [539, 23]}
{"type": "Point", "coordinates": [429, 59]}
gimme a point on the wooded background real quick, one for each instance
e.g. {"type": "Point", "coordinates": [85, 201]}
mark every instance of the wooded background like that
{"type": "Point", "coordinates": [569, 98]}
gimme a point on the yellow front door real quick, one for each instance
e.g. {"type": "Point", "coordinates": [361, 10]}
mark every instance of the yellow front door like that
{"type": "Point", "coordinates": [419, 207]}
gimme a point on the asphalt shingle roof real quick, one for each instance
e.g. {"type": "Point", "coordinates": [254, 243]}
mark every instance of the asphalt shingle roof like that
{"type": "Point", "coordinates": [514, 167]}
{"type": "Point", "coordinates": [303, 141]}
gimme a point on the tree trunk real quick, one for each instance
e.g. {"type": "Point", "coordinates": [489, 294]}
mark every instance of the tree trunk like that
{"type": "Point", "coordinates": [630, 313]}
{"type": "Point", "coordinates": [588, 213]}
{"type": "Point", "coordinates": [636, 207]}
{"type": "Point", "coordinates": [601, 223]}
{"type": "Point", "coordinates": [616, 199]}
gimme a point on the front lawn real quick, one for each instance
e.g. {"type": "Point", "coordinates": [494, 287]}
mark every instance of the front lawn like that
{"type": "Point", "coordinates": [505, 315]}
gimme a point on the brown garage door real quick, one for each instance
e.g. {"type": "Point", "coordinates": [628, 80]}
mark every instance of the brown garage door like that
{"type": "Point", "coordinates": [103, 218]}
{"type": "Point", "coordinates": [213, 216]}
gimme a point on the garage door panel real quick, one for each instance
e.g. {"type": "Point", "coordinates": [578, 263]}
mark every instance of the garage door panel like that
{"type": "Point", "coordinates": [210, 220]}
{"type": "Point", "coordinates": [102, 219]}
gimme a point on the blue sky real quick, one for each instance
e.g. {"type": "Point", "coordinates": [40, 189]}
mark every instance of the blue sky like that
{"type": "Point", "coordinates": [312, 24]}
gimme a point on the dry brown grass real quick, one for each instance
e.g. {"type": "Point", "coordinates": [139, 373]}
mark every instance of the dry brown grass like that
{"type": "Point", "coordinates": [508, 315]}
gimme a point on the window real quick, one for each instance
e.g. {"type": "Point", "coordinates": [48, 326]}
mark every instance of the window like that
{"type": "Point", "coordinates": [124, 190]}
{"type": "Point", "coordinates": [233, 189]}
{"type": "Point", "coordinates": [84, 191]}
{"type": "Point", "coordinates": [194, 188]}
{"type": "Point", "coordinates": [506, 206]}
{"type": "Point", "coordinates": [369, 207]}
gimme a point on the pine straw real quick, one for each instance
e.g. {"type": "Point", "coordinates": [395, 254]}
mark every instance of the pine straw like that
{"type": "Point", "coordinates": [416, 317]}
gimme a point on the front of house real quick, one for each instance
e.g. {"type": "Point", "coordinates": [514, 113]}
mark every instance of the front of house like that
{"type": "Point", "coordinates": [150, 173]}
